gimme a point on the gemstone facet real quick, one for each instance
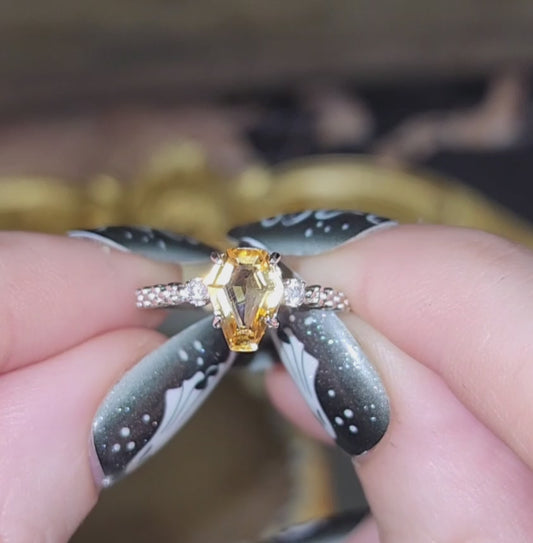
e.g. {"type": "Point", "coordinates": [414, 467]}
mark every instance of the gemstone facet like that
{"type": "Point", "coordinates": [245, 289]}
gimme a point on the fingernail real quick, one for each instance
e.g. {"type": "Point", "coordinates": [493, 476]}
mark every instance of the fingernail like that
{"type": "Point", "coordinates": [155, 244]}
{"type": "Point", "coordinates": [309, 232]}
{"type": "Point", "coordinates": [334, 528]}
{"type": "Point", "coordinates": [335, 377]}
{"type": "Point", "coordinates": [155, 399]}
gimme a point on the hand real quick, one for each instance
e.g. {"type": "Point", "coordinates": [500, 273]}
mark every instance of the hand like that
{"type": "Point", "coordinates": [68, 331]}
{"type": "Point", "coordinates": [446, 315]}
{"type": "Point", "coordinates": [454, 305]}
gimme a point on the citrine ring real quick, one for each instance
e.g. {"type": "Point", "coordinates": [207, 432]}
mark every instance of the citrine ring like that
{"type": "Point", "coordinates": [245, 288]}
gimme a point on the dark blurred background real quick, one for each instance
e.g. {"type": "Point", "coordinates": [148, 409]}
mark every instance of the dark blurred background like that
{"type": "Point", "coordinates": [94, 87]}
{"type": "Point", "coordinates": [109, 108]}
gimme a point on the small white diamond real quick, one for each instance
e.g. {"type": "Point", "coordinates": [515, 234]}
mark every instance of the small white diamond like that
{"type": "Point", "coordinates": [196, 292]}
{"type": "Point", "coordinates": [294, 292]}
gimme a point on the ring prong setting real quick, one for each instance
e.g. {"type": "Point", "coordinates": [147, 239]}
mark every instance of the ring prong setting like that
{"type": "Point", "coordinates": [274, 258]}
{"type": "Point", "coordinates": [216, 257]}
{"type": "Point", "coordinates": [272, 322]}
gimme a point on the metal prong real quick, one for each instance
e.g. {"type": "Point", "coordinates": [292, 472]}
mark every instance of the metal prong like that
{"type": "Point", "coordinates": [274, 258]}
{"type": "Point", "coordinates": [216, 257]}
{"type": "Point", "coordinates": [217, 321]}
{"type": "Point", "coordinates": [272, 322]}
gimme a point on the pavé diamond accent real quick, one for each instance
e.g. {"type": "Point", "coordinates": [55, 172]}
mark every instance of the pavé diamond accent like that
{"type": "Point", "coordinates": [294, 292]}
{"type": "Point", "coordinates": [196, 292]}
{"type": "Point", "coordinates": [160, 296]}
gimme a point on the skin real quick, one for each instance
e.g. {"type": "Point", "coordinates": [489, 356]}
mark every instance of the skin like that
{"type": "Point", "coordinates": [444, 313]}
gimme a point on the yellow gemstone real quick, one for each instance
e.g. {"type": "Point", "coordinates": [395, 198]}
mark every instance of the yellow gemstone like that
{"type": "Point", "coordinates": [245, 290]}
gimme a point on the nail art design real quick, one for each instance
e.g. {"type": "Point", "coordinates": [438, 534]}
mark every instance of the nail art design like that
{"type": "Point", "coordinates": [335, 377]}
{"type": "Point", "coordinates": [156, 398]}
{"type": "Point", "coordinates": [309, 232]}
{"type": "Point", "coordinates": [155, 244]}
{"type": "Point", "coordinates": [333, 529]}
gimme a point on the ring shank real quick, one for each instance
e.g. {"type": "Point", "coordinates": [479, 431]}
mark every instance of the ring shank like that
{"type": "Point", "coordinates": [176, 294]}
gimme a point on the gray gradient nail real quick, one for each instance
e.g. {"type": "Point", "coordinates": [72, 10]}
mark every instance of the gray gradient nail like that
{"type": "Point", "coordinates": [335, 377]}
{"type": "Point", "coordinates": [156, 398]}
{"type": "Point", "coordinates": [155, 244]}
{"type": "Point", "coordinates": [334, 529]}
{"type": "Point", "coordinates": [309, 232]}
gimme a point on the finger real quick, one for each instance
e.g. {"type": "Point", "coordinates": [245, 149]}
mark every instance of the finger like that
{"type": "Point", "coordinates": [366, 532]}
{"type": "Point", "coordinates": [56, 292]}
{"type": "Point", "coordinates": [459, 301]}
{"type": "Point", "coordinates": [438, 474]}
{"type": "Point", "coordinates": [46, 484]}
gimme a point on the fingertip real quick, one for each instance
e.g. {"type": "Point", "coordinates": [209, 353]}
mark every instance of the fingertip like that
{"type": "Point", "coordinates": [77, 288]}
{"type": "Point", "coordinates": [365, 532]}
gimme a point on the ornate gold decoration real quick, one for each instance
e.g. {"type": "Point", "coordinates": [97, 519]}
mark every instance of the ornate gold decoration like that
{"type": "Point", "coordinates": [180, 193]}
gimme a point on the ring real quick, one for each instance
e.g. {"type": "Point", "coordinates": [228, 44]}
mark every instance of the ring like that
{"type": "Point", "coordinates": [246, 288]}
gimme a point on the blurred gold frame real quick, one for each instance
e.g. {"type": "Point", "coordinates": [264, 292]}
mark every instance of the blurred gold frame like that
{"type": "Point", "coordinates": [179, 192]}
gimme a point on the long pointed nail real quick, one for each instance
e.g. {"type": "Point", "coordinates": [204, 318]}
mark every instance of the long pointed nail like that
{"type": "Point", "coordinates": [155, 399]}
{"type": "Point", "coordinates": [333, 529]}
{"type": "Point", "coordinates": [308, 232]}
{"type": "Point", "coordinates": [335, 377]}
{"type": "Point", "coordinates": [155, 244]}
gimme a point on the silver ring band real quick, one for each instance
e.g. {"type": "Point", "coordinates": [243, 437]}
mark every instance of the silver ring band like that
{"type": "Point", "coordinates": [296, 295]}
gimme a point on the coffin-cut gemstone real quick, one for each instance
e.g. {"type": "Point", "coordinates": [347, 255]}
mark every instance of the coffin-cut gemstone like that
{"type": "Point", "coordinates": [245, 289]}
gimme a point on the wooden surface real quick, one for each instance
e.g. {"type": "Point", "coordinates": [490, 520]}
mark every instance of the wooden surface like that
{"type": "Point", "coordinates": [61, 52]}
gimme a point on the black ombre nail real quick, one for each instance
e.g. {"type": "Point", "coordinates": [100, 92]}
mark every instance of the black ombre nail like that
{"type": "Point", "coordinates": [339, 383]}
{"type": "Point", "coordinates": [335, 377]}
{"type": "Point", "coordinates": [156, 398]}
{"type": "Point", "coordinates": [155, 244]}
{"type": "Point", "coordinates": [309, 232]}
{"type": "Point", "coordinates": [334, 529]}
